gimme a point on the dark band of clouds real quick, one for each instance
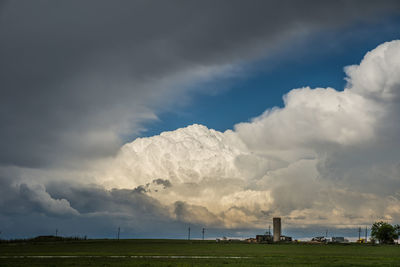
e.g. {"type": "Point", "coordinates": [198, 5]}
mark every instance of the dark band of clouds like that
{"type": "Point", "coordinates": [74, 75]}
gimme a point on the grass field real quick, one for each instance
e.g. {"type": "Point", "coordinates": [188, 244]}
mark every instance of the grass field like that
{"type": "Point", "coordinates": [193, 253]}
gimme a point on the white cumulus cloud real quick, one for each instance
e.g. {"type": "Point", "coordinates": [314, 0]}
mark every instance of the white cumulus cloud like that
{"type": "Point", "coordinates": [326, 156]}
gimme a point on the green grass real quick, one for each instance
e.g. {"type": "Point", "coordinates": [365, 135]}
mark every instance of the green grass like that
{"type": "Point", "coordinates": [260, 254]}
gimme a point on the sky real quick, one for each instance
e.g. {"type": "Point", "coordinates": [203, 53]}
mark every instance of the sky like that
{"type": "Point", "coordinates": [156, 116]}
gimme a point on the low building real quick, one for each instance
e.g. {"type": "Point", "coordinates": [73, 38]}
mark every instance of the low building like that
{"type": "Point", "coordinates": [321, 239]}
{"type": "Point", "coordinates": [264, 238]}
{"type": "Point", "coordinates": [339, 239]}
{"type": "Point", "coordinates": [286, 238]}
{"type": "Point", "coordinates": [251, 240]}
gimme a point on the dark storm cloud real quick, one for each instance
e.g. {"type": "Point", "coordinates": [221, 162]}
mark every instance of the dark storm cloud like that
{"type": "Point", "coordinates": [26, 199]}
{"type": "Point", "coordinates": [76, 209]}
{"type": "Point", "coordinates": [88, 199]}
{"type": "Point", "coordinates": [74, 75]}
{"type": "Point", "coordinates": [164, 182]}
{"type": "Point", "coordinates": [63, 199]}
{"type": "Point", "coordinates": [195, 214]}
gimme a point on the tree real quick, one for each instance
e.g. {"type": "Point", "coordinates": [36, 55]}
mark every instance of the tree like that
{"type": "Point", "coordinates": [384, 232]}
{"type": "Point", "coordinates": [397, 229]}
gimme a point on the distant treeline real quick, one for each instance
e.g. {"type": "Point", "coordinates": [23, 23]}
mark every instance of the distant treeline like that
{"type": "Point", "coordinates": [43, 238]}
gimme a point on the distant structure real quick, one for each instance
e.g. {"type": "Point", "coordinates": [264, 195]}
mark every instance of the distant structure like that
{"type": "Point", "coordinates": [263, 238]}
{"type": "Point", "coordinates": [339, 239]}
{"type": "Point", "coordinates": [277, 228]}
{"type": "Point", "coordinates": [251, 240]}
{"type": "Point", "coordinates": [320, 239]}
{"type": "Point", "coordinates": [286, 238]}
{"type": "Point", "coordinates": [268, 238]}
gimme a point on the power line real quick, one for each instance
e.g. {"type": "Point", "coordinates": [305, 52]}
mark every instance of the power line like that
{"type": "Point", "coordinates": [202, 231]}
{"type": "Point", "coordinates": [189, 233]}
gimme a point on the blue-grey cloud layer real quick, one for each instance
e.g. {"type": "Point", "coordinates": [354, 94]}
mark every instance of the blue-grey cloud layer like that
{"type": "Point", "coordinates": [76, 75]}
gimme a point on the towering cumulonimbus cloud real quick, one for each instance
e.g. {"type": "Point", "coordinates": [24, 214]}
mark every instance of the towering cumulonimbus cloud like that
{"type": "Point", "coordinates": [327, 156]}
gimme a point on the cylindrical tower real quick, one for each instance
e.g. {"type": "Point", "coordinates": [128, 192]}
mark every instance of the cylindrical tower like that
{"type": "Point", "coordinates": [277, 229]}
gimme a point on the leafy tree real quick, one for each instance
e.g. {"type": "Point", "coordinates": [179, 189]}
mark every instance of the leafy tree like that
{"type": "Point", "coordinates": [385, 232]}
{"type": "Point", "coordinates": [397, 229]}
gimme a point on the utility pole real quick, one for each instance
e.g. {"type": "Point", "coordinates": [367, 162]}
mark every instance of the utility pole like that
{"type": "Point", "coordinates": [366, 234]}
{"type": "Point", "coordinates": [189, 233]}
{"type": "Point", "coordinates": [269, 230]}
{"type": "Point", "coordinates": [118, 233]}
{"type": "Point", "coordinates": [203, 233]}
{"type": "Point", "coordinates": [359, 234]}
{"type": "Point", "coordinates": [56, 232]}
{"type": "Point", "coordinates": [326, 233]}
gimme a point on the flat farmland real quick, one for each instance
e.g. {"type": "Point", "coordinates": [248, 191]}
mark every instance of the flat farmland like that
{"type": "Point", "coordinates": [153, 252]}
